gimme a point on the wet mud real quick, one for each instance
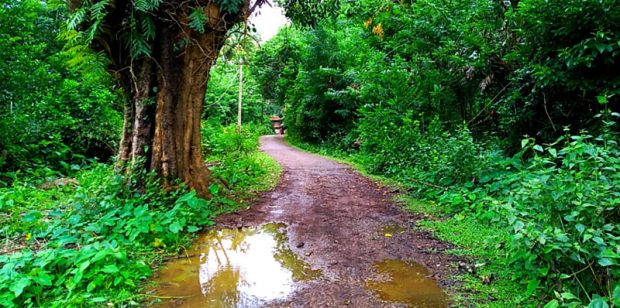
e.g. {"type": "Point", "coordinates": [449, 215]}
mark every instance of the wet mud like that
{"type": "Point", "coordinates": [325, 237]}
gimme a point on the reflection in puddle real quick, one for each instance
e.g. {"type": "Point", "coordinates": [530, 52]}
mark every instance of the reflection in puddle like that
{"type": "Point", "coordinates": [407, 283]}
{"type": "Point", "coordinates": [234, 268]}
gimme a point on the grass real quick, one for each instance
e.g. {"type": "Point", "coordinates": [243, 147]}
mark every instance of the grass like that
{"type": "Point", "coordinates": [490, 284]}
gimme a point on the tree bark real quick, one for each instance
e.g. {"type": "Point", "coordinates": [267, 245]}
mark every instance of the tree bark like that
{"type": "Point", "coordinates": [165, 85]}
{"type": "Point", "coordinates": [162, 116]}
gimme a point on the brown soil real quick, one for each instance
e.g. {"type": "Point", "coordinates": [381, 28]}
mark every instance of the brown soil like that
{"type": "Point", "coordinates": [337, 221]}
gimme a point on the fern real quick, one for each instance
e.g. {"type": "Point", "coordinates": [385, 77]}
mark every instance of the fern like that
{"type": "Point", "coordinates": [198, 19]}
{"type": "Point", "coordinates": [97, 9]}
{"type": "Point", "coordinates": [135, 41]}
{"type": "Point", "coordinates": [93, 30]}
{"type": "Point", "coordinates": [230, 6]}
{"type": "Point", "coordinates": [147, 5]}
{"type": "Point", "coordinates": [147, 26]}
{"type": "Point", "coordinates": [139, 46]}
{"type": "Point", "coordinates": [77, 18]}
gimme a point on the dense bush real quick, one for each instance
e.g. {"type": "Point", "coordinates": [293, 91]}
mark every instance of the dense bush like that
{"type": "Point", "coordinates": [226, 147]}
{"type": "Point", "coordinates": [52, 117]}
{"type": "Point", "coordinates": [562, 207]}
{"type": "Point", "coordinates": [92, 240]}
{"type": "Point", "coordinates": [565, 61]}
{"type": "Point", "coordinates": [403, 148]}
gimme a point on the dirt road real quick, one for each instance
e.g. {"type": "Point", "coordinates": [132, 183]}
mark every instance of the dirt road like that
{"type": "Point", "coordinates": [348, 227]}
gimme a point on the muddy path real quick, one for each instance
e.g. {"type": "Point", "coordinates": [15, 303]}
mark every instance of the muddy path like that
{"type": "Point", "coordinates": [347, 227]}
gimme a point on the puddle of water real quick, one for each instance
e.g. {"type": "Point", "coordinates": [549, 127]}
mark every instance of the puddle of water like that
{"type": "Point", "coordinates": [234, 268]}
{"type": "Point", "coordinates": [407, 283]}
{"type": "Point", "coordinates": [393, 229]}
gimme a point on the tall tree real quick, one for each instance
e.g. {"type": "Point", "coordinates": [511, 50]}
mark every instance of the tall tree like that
{"type": "Point", "coordinates": [162, 51]}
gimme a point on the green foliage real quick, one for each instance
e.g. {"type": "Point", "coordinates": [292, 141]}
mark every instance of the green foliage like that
{"type": "Point", "coordinates": [309, 12]}
{"type": "Point", "coordinates": [488, 64]}
{"type": "Point", "coordinates": [239, 164]}
{"type": "Point", "coordinates": [197, 19]}
{"type": "Point", "coordinates": [567, 57]}
{"type": "Point", "coordinates": [222, 98]}
{"type": "Point", "coordinates": [145, 5]}
{"type": "Point", "coordinates": [230, 6]}
{"type": "Point", "coordinates": [408, 150]}
{"type": "Point", "coordinates": [94, 243]}
{"type": "Point", "coordinates": [313, 75]}
{"type": "Point", "coordinates": [484, 245]}
{"type": "Point", "coordinates": [562, 208]}
{"type": "Point", "coordinates": [275, 66]}
{"type": "Point", "coordinates": [93, 239]}
{"type": "Point", "coordinates": [439, 96]}
{"type": "Point", "coordinates": [53, 117]}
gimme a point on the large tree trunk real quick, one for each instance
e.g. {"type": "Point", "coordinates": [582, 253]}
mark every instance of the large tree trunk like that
{"type": "Point", "coordinates": [166, 93]}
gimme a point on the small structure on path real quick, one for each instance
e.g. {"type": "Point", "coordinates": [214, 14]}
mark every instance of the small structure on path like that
{"type": "Point", "coordinates": [278, 128]}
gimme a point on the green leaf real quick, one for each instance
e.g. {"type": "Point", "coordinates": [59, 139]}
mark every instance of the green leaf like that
{"type": "Point", "coordinates": [524, 142]}
{"type": "Point", "coordinates": [44, 279]}
{"type": "Point", "coordinates": [601, 48]}
{"type": "Point", "coordinates": [110, 269]}
{"type": "Point", "coordinates": [608, 253]}
{"type": "Point", "coordinates": [148, 26]}
{"type": "Point", "coordinates": [562, 237]}
{"type": "Point", "coordinates": [91, 286]}
{"type": "Point", "coordinates": [616, 296]}
{"type": "Point", "coordinates": [84, 265]}
{"type": "Point", "coordinates": [598, 302]}
{"type": "Point", "coordinates": [214, 190]}
{"type": "Point", "coordinates": [18, 286]}
{"type": "Point", "coordinates": [147, 5]}
{"type": "Point", "coordinates": [568, 296]}
{"type": "Point", "coordinates": [538, 148]}
{"type": "Point", "coordinates": [229, 6]}
{"type": "Point", "coordinates": [606, 262]}
{"type": "Point", "coordinates": [552, 304]}
{"type": "Point", "coordinates": [78, 277]}
{"type": "Point", "coordinates": [580, 228]}
{"type": "Point", "coordinates": [532, 285]}
{"type": "Point", "coordinates": [602, 99]}
{"type": "Point", "coordinates": [175, 227]}
{"type": "Point", "coordinates": [518, 226]}
{"type": "Point", "coordinates": [32, 216]}
{"type": "Point", "coordinates": [140, 210]}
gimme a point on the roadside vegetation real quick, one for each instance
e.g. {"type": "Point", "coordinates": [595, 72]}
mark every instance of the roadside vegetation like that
{"type": "Point", "coordinates": [73, 231]}
{"type": "Point", "coordinates": [501, 116]}
{"type": "Point", "coordinates": [93, 239]}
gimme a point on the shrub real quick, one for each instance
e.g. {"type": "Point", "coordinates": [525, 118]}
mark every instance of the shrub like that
{"type": "Point", "coordinates": [92, 240]}
{"type": "Point", "coordinates": [562, 207]}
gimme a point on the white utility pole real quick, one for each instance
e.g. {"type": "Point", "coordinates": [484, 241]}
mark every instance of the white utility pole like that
{"type": "Point", "coordinates": [239, 107]}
